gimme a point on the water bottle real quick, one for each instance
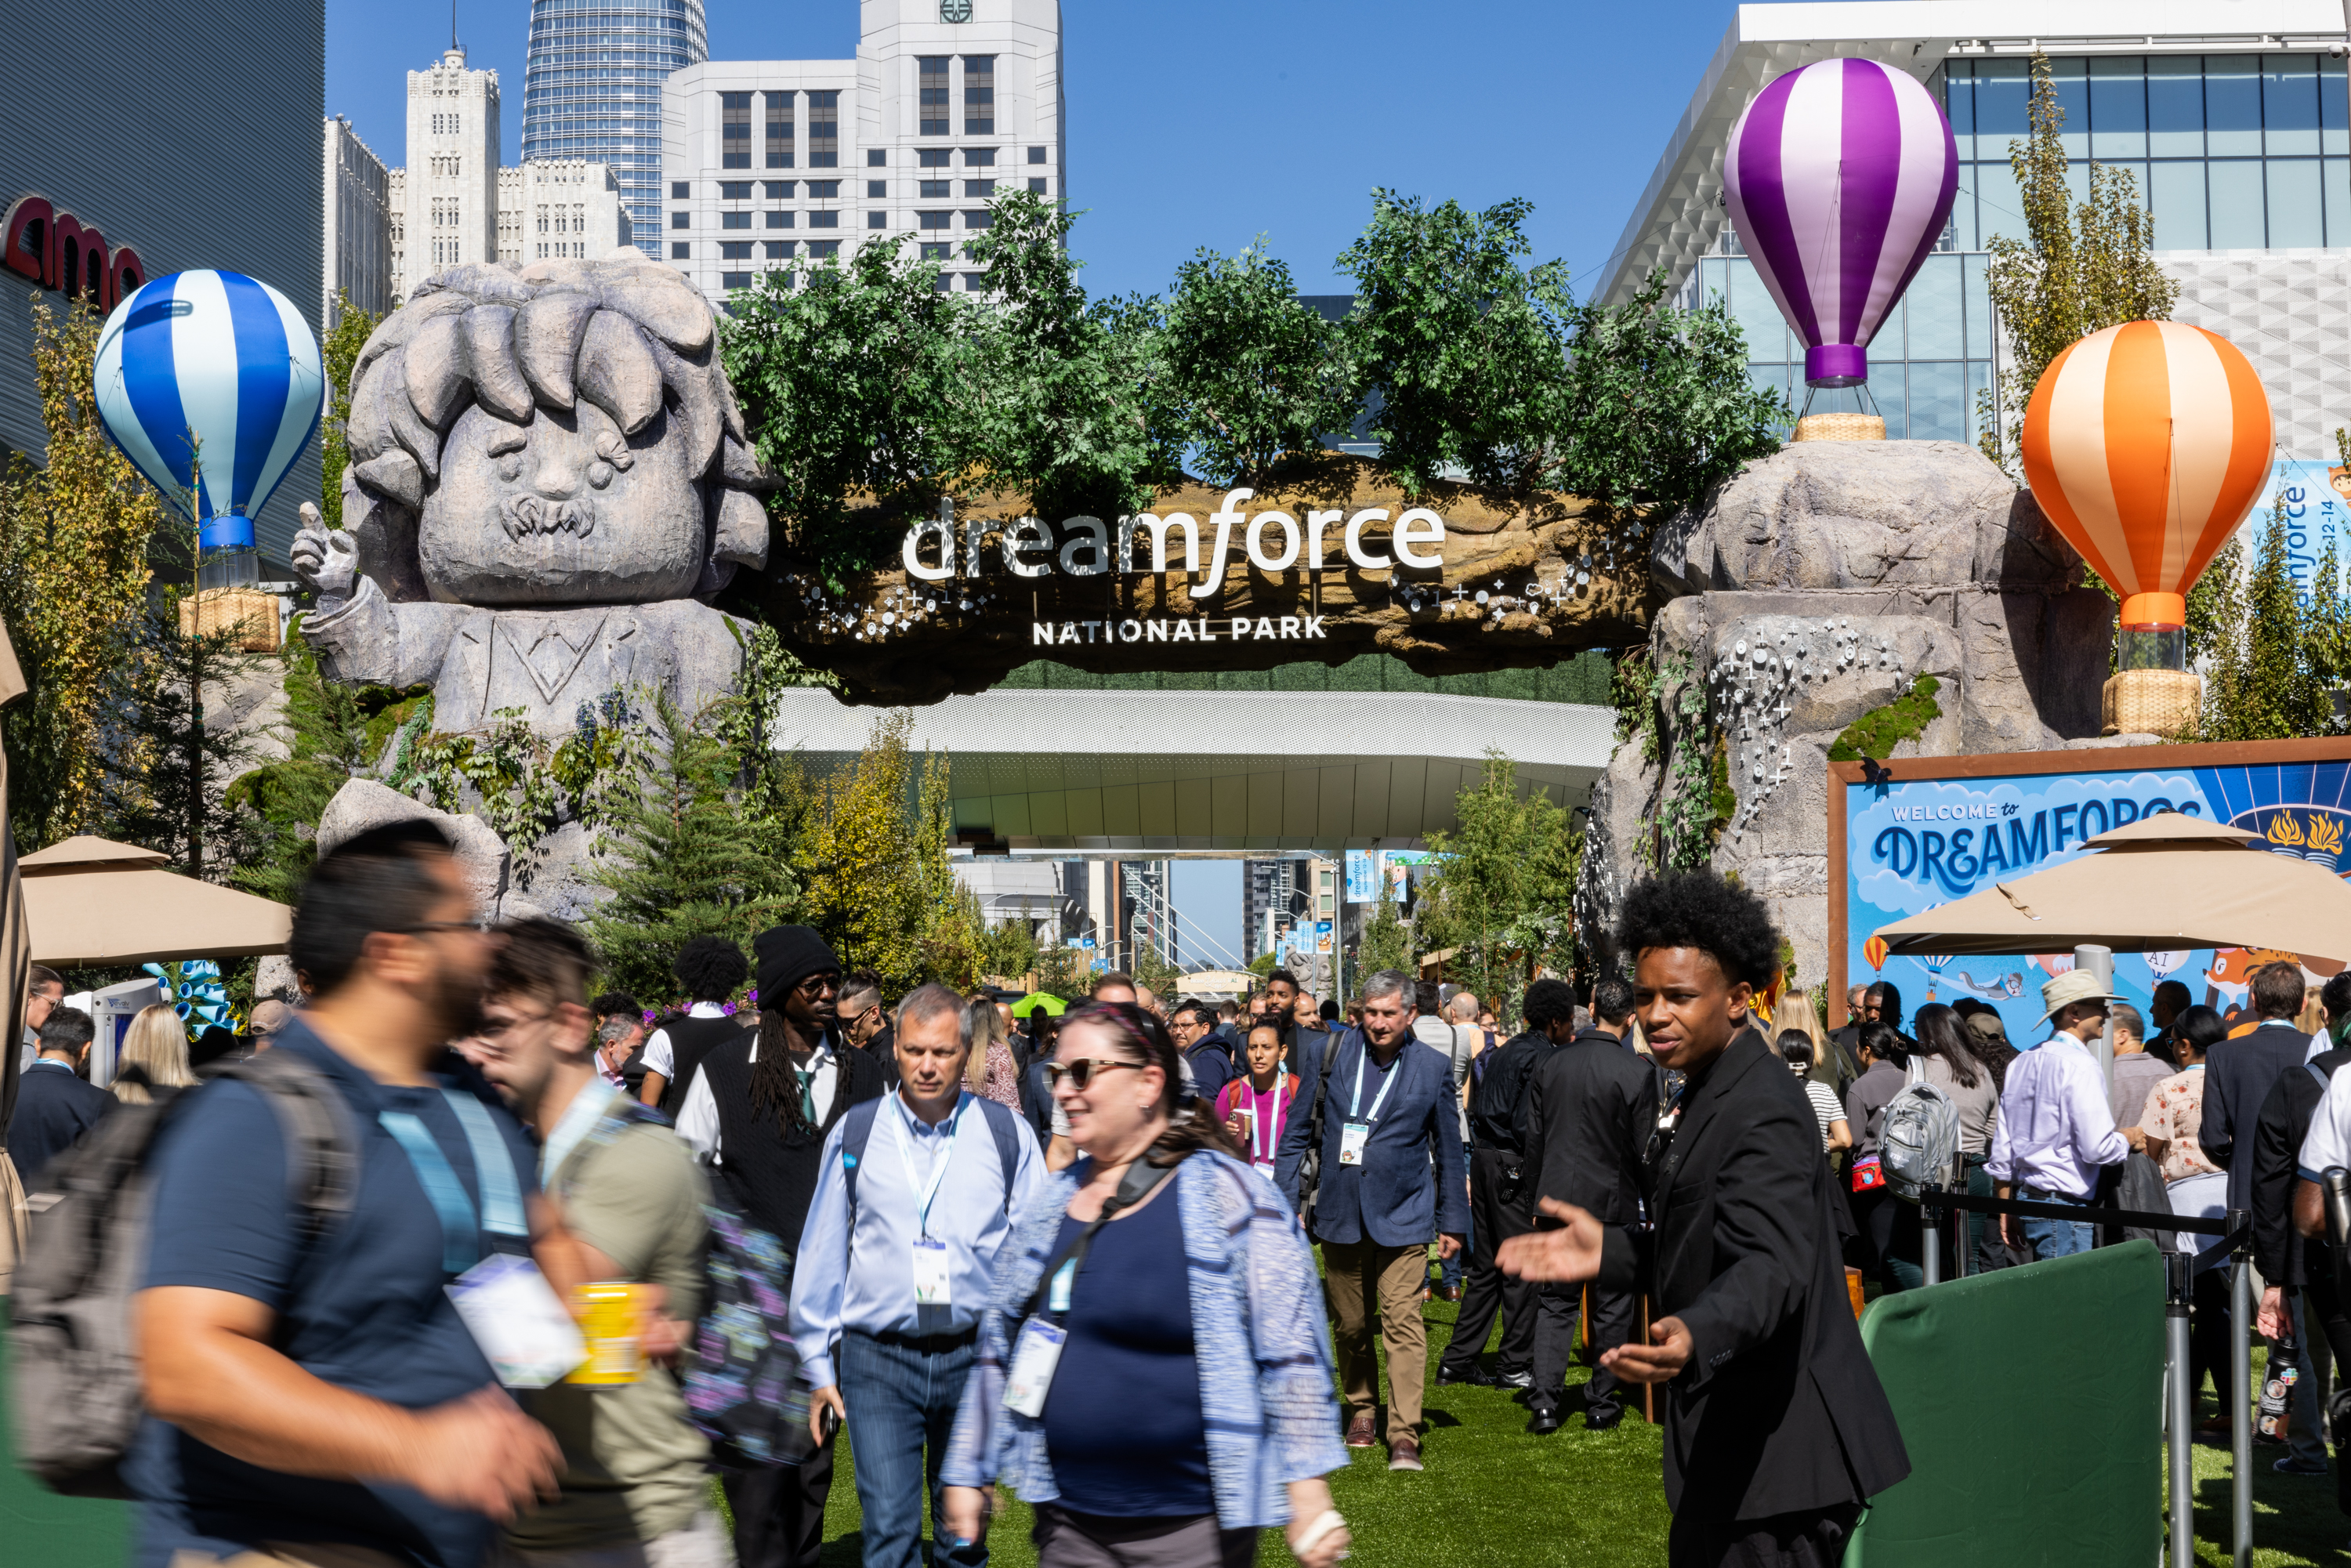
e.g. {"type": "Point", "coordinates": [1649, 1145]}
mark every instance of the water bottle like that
{"type": "Point", "coordinates": [2274, 1416]}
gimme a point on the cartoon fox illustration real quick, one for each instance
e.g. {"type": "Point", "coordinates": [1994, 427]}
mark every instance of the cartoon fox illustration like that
{"type": "Point", "coordinates": [2230, 980]}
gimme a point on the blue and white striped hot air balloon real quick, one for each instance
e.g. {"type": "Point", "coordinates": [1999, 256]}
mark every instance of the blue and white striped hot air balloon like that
{"type": "Point", "coordinates": [211, 384]}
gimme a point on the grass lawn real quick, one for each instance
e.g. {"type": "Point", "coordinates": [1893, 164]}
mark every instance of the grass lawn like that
{"type": "Point", "coordinates": [1493, 1496]}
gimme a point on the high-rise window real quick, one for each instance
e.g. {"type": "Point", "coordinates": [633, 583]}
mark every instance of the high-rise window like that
{"type": "Point", "coordinates": [780, 189]}
{"type": "Point", "coordinates": [936, 190]}
{"type": "Point", "coordinates": [779, 220]}
{"type": "Point", "coordinates": [824, 190]}
{"type": "Point", "coordinates": [933, 220]}
{"type": "Point", "coordinates": [680, 190]}
{"type": "Point", "coordinates": [937, 252]}
{"type": "Point", "coordinates": [824, 130]}
{"type": "Point", "coordinates": [735, 130]}
{"type": "Point", "coordinates": [1035, 154]}
{"type": "Point", "coordinates": [877, 188]}
{"type": "Point", "coordinates": [734, 220]}
{"type": "Point", "coordinates": [735, 250]}
{"type": "Point", "coordinates": [877, 220]}
{"type": "Point", "coordinates": [821, 249]}
{"type": "Point", "coordinates": [734, 281]}
{"type": "Point", "coordinates": [825, 220]}
{"type": "Point", "coordinates": [934, 157]}
{"type": "Point", "coordinates": [978, 188]}
{"type": "Point", "coordinates": [978, 220]}
{"type": "Point", "coordinates": [778, 248]}
{"type": "Point", "coordinates": [877, 157]}
{"type": "Point", "coordinates": [980, 157]}
{"type": "Point", "coordinates": [979, 95]}
{"type": "Point", "coordinates": [934, 94]}
{"type": "Point", "coordinates": [780, 129]}
{"type": "Point", "coordinates": [733, 190]}
{"type": "Point", "coordinates": [1037, 187]}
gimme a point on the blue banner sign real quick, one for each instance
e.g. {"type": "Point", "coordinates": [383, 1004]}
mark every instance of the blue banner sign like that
{"type": "Point", "coordinates": [1914, 844]}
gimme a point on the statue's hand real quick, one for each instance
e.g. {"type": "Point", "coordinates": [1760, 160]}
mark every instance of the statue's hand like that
{"type": "Point", "coordinates": [327, 559]}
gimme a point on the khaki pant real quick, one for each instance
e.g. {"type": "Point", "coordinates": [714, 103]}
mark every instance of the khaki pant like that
{"type": "Point", "coordinates": [1359, 1278]}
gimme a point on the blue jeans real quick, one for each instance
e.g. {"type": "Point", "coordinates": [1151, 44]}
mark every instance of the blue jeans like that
{"type": "Point", "coordinates": [901, 1407]}
{"type": "Point", "coordinates": [2057, 1237]}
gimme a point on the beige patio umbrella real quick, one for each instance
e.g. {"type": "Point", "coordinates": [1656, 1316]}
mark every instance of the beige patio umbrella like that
{"type": "Point", "coordinates": [90, 901]}
{"type": "Point", "coordinates": [2164, 882]}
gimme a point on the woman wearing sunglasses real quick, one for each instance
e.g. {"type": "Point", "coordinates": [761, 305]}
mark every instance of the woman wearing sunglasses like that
{"type": "Point", "coordinates": [1153, 1375]}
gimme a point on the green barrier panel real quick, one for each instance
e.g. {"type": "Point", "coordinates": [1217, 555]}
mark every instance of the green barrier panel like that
{"type": "Point", "coordinates": [2031, 1402]}
{"type": "Point", "coordinates": [37, 1525]}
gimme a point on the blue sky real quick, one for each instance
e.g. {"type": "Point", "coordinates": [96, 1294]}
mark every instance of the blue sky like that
{"type": "Point", "coordinates": [1211, 122]}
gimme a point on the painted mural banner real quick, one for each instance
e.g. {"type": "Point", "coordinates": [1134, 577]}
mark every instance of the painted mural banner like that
{"type": "Point", "coordinates": [2316, 497]}
{"type": "Point", "coordinates": [1939, 829]}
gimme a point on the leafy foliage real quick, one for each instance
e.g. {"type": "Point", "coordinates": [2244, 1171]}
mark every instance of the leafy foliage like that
{"type": "Point", "coordinates": [74, 538]}
{"type": "Point", "coordinates": [1386, 942]}
{"type": "Point", "coordinates": [340, 351]}
{"type": "Point", "coordinates": [1501, 885]}
{"type": "Point", "coordinates": [1260, 373]}
{"type": "Point", "coordinates": [686, 862]}
{"type": "Point", "coordinates": [865, 885]}
{"type": "Point", "coordinates": [2273, 662]}
{"type": "Point", "coordinates": [1876, 733]}
{"type": "Point", "coordinates": [2080, 269]}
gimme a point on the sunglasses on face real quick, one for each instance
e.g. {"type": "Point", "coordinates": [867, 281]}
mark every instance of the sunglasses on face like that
{"type": "Point", "coordinates": [1081, 1072]}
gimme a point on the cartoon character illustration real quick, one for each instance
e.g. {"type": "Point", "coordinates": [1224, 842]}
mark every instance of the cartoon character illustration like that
{"type": "Point", "coordinates": [2053, 963]}
{"type": "Point", "coordinates": [1998, 988]}
{"type": "Point", "coordinates": [2162, 965]}
{"type": "Point", "coordinates": [2340, 480]}
{"type": "Point", "coordinates": [2229, 982]}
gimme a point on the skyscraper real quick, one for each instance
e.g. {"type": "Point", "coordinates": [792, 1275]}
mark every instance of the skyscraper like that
{"type": "Point", "coordinates": [592, 90]}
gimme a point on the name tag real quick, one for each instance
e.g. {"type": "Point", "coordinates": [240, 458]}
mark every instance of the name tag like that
{"type": "Point", "coordinates": [515, 1317]}
{"type": "Point", "coordinates": [930, 1272]}
{"type": "Point", "coordinates": [1352, 1135]}
{"type": "Point", "coordinates": [1033, 1361]}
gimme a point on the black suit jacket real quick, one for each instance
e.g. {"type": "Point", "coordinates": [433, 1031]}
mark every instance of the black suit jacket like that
{"type": "Point", "coordinates": [2278, 1133]}
{"type": "Point", "coordinates": [2237, 1077]}
{"type": "Point", "coordinates": [54, 1106]}
{"type": "Point", "coordinates": [1779, 1410]}
{"type": "Point", "coordinates": [1590, 1111]}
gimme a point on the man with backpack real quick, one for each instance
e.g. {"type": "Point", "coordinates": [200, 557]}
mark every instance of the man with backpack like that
{"type": "Point", "coordinates": [631, 1197]}
{"type": "Point", "coordinates": [914, 1197]}
{"type": "Point", "coordinates": [760, 1112]}
{"type": "Point", "coordinates": [313, 1390]}
{"type": "Point", "coordinates": [1212, 1062]}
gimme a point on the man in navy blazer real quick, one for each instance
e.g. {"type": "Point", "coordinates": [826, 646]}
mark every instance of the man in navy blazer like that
{"type": "Point", "coordinates": [55, 1105]}
{"type": "Point", "coordinates": [1388, 1114]}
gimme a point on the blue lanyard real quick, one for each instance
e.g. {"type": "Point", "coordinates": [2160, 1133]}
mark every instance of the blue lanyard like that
{"type": "Point", "coordinates": [461, 1245]}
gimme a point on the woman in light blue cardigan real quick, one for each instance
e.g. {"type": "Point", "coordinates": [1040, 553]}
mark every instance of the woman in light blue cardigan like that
{"type": "Point", "coordinates": [1186, 1398]}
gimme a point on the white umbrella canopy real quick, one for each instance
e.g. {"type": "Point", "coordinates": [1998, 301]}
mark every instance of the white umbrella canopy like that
{"type": "Point", "coordinates": [90, 901]}
{"type": "Point", "coordinates": [2164, 882]}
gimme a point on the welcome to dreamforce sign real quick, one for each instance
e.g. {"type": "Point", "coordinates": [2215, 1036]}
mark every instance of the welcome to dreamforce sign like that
{"type": "Point", "coordinates": [1943, 828]}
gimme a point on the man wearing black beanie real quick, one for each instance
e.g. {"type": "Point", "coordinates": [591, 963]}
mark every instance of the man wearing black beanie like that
{"type": "Point", "coordinates": [758, 1112]}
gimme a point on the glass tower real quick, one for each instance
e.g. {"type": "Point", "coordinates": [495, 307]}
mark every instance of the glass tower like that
{"type": "Point", "coordinates": [592, 89]}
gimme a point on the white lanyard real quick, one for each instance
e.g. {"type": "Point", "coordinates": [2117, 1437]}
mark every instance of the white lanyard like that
{"type": "Point", "coordinates": [925, 1194]}
{"type": "Point", "coordinates": [1261, 1135]}
{"type": "Point", "coordinates": [1387, 1081]}
{"type": "Point", "coordinates": [587, 1105]}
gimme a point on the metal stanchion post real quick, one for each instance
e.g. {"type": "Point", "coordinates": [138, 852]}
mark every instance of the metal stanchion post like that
{"type": "Point", "coordinates": [1931, 1239]}
{"type": "Point", "coordinates": [2181, 1400]}
{"type": "Point", "coordinates": [2240, 1394]}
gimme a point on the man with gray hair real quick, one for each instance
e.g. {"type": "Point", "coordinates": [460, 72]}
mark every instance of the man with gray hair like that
{"type": "Point", "coordinates": [896, 1262]}
{"type": "Point", "coordinates": [1388, 1130]}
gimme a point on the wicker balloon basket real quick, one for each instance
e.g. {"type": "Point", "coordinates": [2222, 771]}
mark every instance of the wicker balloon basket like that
{"type": "Point", "coordinates": [1841, 427]}
{"type": "Point", "coordinates": [2150, 702]}
{"type": "Point", "coordinates": [234, 609]}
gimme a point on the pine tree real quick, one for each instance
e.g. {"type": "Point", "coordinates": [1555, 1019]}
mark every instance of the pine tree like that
{"type": "Point", "coordinates": [680, 861]}
{"type": "Point", "coordinates": [166, 772]}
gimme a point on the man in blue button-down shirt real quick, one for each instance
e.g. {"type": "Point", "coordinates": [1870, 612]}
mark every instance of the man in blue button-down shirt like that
{"type": "Point", "coordinates": [887, 1301]}
{"type": "Point", "coordinates": [1389, 1115]}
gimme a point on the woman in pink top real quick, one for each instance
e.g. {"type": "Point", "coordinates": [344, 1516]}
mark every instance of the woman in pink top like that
{"type": "Point", "coordinates": [1256, 1108]}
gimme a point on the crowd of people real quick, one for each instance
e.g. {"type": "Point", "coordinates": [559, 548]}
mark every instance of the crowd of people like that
{"type": "Point", "coordinates": [1156, 1264]}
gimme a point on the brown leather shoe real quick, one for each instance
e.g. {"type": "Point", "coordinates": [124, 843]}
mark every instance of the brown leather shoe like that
{"type": "Point", "coordinates": [1361, 1433]}
{"type": "Point", "coordinates": [1404, 1452]}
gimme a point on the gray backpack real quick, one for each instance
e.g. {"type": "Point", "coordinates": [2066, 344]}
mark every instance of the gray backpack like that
{"type": "Point", "coordinates": [74, 1362]}
{"type": "Point", "coordinates": [1918, 1136]}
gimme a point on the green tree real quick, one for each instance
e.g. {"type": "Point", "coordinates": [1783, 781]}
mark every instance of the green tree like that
{"type": "Point", "coordinates": [1008, 949]}
{"type": "Point", "coordinates": [1386, 942]}
{"type": "Point", "coordinates": [1463, 345]}
{"type": "Point", "coordinates": [1259, 373]}
{"type": "Point", "coordinates": [863, 381]}
{"type": "Point", "coordinates": [167, 772]}
{"type": "Point", "coordinates": [865, 885]}
{"type": "Point", "coordinates": [1657, 408]}
{"type": "Point", "coordinates": [74, 538]}
{"type": "Point", "coordinates": [2272, 660]}
{"type": "Point", "coordinates": [2078, 270]}
{"type": "Point", "coordinates": [339, 351]}
{"type": "Point", "coordinates": [1063, 418]}
{"type": "Point", "coordinates": [678, 859]}
{"type": "Point", "coordinates": [1500, 886]}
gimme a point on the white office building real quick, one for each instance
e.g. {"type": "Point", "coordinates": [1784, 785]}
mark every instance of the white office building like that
{"type": "Point", "coordinates": [453, 203]}
{"type": "Point", "coordinates": [2234, 115]}
{"type": "Point", "coordinates": [358, 227]}
{"type": "Point", "coordinates": [772, 164]}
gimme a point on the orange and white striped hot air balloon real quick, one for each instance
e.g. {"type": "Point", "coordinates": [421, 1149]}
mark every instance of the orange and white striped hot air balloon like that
{"type": "Point", "coordinates": [2146, 445]}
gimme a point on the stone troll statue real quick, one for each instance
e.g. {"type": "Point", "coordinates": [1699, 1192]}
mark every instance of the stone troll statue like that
{"type": "Point", "coordinates": [550, 479]}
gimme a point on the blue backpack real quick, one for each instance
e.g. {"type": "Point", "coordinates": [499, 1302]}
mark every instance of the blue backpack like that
{"type": "Point", "coordinates": [857, 1129]}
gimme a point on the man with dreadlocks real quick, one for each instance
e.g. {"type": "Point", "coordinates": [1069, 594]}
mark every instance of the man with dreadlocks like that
{"type": "Point", "coordinates": [758, 1111]}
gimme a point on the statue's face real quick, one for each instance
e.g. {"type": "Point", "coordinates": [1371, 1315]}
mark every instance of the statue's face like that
{"type": "Point", "coordinates": [563, 510]}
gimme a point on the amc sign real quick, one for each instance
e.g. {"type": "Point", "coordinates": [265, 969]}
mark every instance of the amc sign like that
{"type": "Point", "coordinates": [59, 251]}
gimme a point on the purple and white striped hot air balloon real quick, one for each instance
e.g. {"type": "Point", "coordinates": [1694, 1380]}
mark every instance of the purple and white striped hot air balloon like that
{"type": "Point", "coordinates": [1840, 177]}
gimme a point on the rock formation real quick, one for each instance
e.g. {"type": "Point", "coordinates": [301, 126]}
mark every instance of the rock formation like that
{"type": "Point", "coordinates": [1810, 590]}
